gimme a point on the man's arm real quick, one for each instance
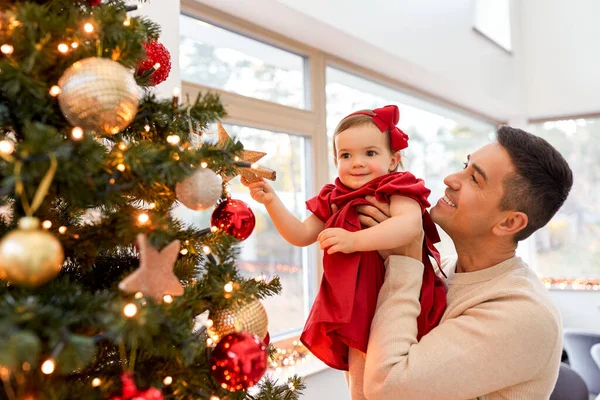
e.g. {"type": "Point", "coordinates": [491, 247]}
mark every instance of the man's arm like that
{"type": "Point", "coordinates": [491, 346]}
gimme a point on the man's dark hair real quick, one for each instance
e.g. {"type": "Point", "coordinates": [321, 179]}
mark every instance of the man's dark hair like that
{"type": "Point", "coordinates": [541, 182]}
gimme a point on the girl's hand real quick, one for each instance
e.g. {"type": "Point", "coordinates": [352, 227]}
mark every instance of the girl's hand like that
{"type": "Point", "coordinates": [337, 240]}
{"type": "Point", "coordinates": [260, 191]}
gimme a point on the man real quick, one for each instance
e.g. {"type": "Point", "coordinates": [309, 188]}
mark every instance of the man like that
{"type": "Point", "coordinates": [501, 335]}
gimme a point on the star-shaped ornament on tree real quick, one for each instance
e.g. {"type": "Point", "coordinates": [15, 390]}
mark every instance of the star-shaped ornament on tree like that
{"type": "Point", "coordinates": [246, 166]}
{"type": "Point", "coordinates": [154, 277]}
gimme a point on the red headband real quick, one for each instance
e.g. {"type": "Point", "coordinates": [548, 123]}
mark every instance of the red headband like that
{"type": "Point", "coordinates": [386, 118]}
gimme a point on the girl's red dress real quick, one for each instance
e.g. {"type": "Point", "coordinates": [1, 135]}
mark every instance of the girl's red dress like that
{"type": "Point", "coordinates": [345, 305]}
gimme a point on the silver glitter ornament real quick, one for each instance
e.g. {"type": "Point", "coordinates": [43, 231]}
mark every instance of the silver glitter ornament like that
{"type": "Point", "coordinates": [98, 94]}
{"type": "Point", "coordinates": [201, 190]}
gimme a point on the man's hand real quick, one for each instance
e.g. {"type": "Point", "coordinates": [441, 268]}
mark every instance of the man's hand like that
{"type": "Point", "coordinates": [337, 240]}
{"type": "Point", "coordinates": [372, 215]}
{"type": "Point", "coordinates": [260, 191]}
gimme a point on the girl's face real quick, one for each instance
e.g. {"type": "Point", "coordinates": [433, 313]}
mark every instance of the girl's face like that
{"type": "Point", "coordinates": [363, 154]}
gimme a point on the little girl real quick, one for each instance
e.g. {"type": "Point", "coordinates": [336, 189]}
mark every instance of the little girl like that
{"type": "Point", "coordinates": [366, 152]}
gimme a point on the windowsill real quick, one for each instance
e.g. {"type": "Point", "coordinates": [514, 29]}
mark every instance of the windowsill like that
{"type": "Point", "coordinates": [307, 367]}
{"type": "Point", "coordinates": [571, 290]}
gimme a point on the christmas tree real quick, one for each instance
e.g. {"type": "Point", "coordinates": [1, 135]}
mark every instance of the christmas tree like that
{"type": "Point", "coordinates": [100, 300]}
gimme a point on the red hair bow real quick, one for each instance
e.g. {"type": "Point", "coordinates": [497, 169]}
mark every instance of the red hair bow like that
{"type": "Point", "coordinates": [386, 118]}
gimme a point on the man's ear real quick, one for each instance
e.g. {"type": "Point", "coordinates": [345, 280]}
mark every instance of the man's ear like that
{"type": "Point", "coordinates": [394, 161]}
{"type": "Point", "coordinates": [511, 224]}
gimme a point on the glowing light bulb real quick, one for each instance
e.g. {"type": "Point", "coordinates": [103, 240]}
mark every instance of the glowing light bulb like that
{"type": "Point", "coordinates": [121, 167]}
{"type": "Point", "coordinates": [7, 147]}
{"type": "Point", "coordinates": [54, 91]}
{"type": "Point", "coordinates": [48, 366]}
{"type": "Point", "coordinates": [143, 218]}
{"type": "Point", "coordinates": [130, 310]}
{"type": "Point", "coordinates": [204, 164]}
{"type": "Point", "coordinates": [77, 133]}
{"type": "Point", "coordinates": [228, 287]}
{"type": "Point", "coordinates": [7, 49]}
{"type": "Point", "coordinates": [167, 298]}
{"type": "Point", "coordinates": [173, 139]}
{"type": "Point", "coordinates": [96, 382]}
{"type": "Point", "coordinates": [168, 380]}
{"type": "Point", "coordinates": [183, 252]}
{"type": "Point", "coordinates": [47, 224]}
{"type": "Point", "coordinates": [88, 27]}
{"type": "Point", "coordinates": [63, 48]}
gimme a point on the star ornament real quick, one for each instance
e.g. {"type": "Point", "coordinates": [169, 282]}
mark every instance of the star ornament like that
{"type": "Point", "coordinates": [154, 277]}
{"type": "Point", "coordinates": [247, 163]}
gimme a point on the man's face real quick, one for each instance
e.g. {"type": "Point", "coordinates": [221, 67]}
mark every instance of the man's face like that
{"type": "Point", "coordinates": [470, 207]}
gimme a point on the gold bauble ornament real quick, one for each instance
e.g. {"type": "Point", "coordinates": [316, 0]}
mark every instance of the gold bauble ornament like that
{"type": "Point", "coordinates": [30, 256]}
{"type": "Point", "coordinates": [98, 94]}
{"type": "Point", "coordinates": [250, 317]}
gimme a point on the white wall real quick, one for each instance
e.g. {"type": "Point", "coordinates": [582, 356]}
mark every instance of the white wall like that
{"type": "Point", "coordinates": [427, 44]}
{"type": "Point", "coordinates": [561, 57]}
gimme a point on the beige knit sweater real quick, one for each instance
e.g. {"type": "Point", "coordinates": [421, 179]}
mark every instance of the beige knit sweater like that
{"type": "Point", "coordinates": [500, 338]}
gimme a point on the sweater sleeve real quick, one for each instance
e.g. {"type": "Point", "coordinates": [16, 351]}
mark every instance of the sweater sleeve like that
{"type": "Point", "coordinates": [492, 345]}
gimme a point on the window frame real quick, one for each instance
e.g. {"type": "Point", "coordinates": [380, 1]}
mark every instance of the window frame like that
{"type": "Point", "coordinates": [576, 284]}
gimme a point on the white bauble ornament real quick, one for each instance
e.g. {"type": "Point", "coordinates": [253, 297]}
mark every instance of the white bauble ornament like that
{"type": "Point", "coordinates": [201, 190]}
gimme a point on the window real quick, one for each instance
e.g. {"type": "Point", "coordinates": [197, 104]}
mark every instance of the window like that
{"type": "Point", "coordinates": [492, 19]}
{"type": "Point", "coordinates": [440, 138]}
{"type": "Point", "coordinates": [265, 253]}
{"type": "Point", "coordinates": [569, 246]}
{"type": "Point", "coordinates": [221, 59]}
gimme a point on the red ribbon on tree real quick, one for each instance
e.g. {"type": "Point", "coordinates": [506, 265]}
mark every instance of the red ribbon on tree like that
{"type": "Point", "coordinates": [131, 392]}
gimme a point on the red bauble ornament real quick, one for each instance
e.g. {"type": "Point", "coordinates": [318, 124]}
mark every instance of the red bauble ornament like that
{"type": "Point", "coordinates": [235, 218]}
{"type": "Point", "coordinates": [94, 2]}
{"type": "Point", "coordinates": [156, 53]}
{"type": "Point", "coordinates": [239, 361]}
{"type": "Point", "coordinates": [131, 392]}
